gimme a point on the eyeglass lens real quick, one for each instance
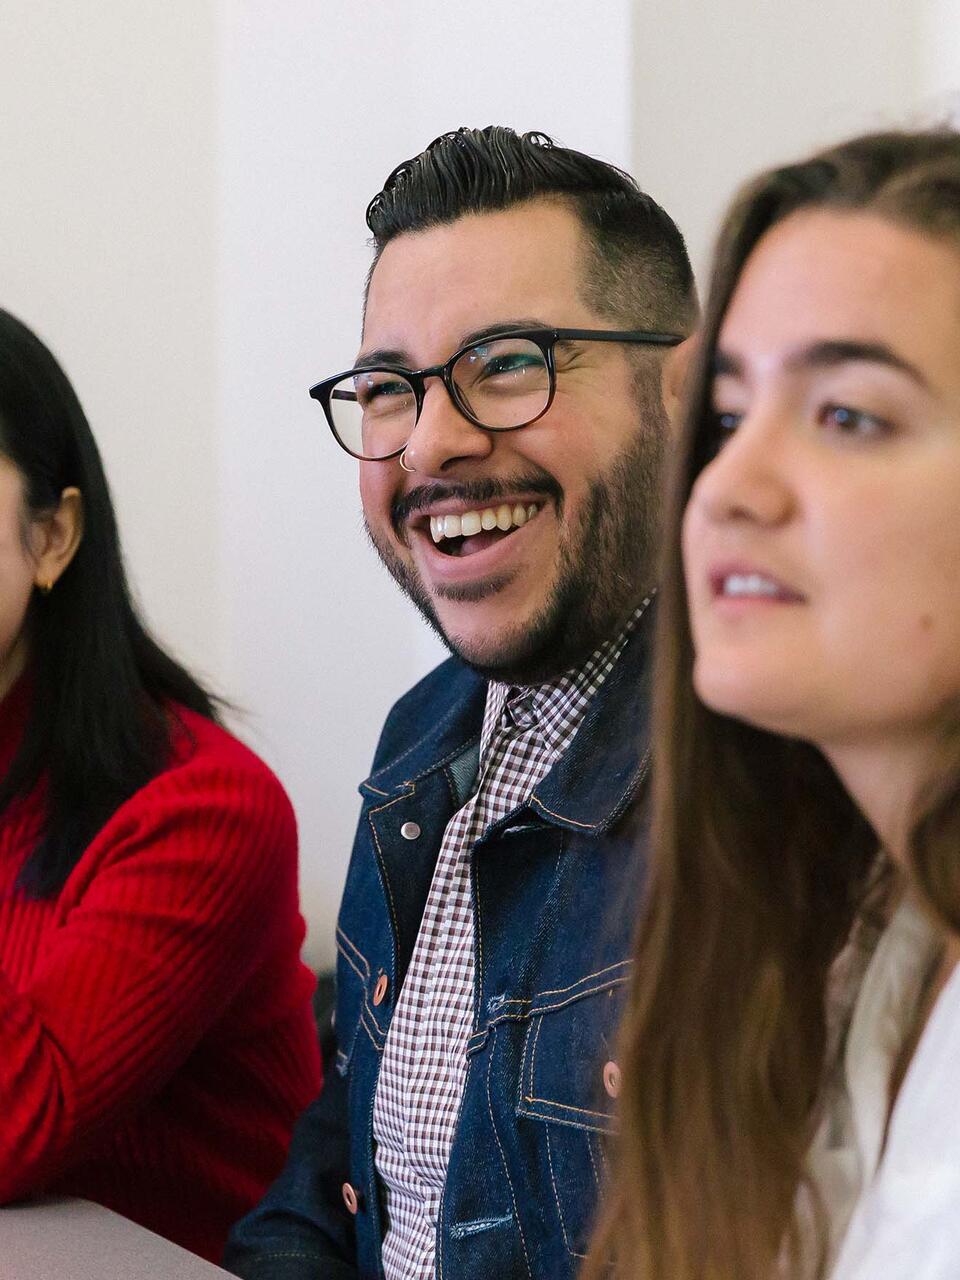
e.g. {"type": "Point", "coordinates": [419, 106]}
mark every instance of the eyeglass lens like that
{"type": "Point", "coordinates": [502, 383]}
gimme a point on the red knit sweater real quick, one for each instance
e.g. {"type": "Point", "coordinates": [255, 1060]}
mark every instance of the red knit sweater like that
{"type": "Point", "coordinates": [156, 1035]}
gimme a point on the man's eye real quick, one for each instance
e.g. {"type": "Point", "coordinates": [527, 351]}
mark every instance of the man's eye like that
{"type": "Point", "coordinates": [511, 363]}
{"type": "Point", "coordinates": [381, 391]}
{"type": "Point", "coordinates": [847, 421]}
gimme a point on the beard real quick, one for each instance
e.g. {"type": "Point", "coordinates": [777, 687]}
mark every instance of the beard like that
{"type": "Point", "coordinates": [605, 562]}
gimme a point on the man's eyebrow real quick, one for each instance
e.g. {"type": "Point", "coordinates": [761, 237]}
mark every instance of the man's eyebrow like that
{"type": "Point", "coordinates": [393, 355]}
{"type": "Point", "coordinates": [502, 326]}
{"type": "Point", "coordinates": [382, 355]}
{"type": "Point", "coordinates": [827, 355]}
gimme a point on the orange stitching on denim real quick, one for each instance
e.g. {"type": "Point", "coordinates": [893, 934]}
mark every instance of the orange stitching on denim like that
{"type": "Point", "coordinates": [380, 869]}
{"type": "Point", "coordinates": [560, 991]}
{"type": "Point", "coordinates": [586, 826]}
{"type": "Point", "coordinates": [564, 1106]}
{"type": "Point", "coordinates": [556, 1195]}
{"type": "Point", "coordinates": [593, 1163]}
{"type": "Point", "coordinates": [366, 1026]}
{"type": "Point", "coordinates": [533, 1052]}
{"type": "Point", "coordinates": [503, 1161]}
{"type": "Point", "coordinates": [523, 1064]}
{"type": "Point", "coordinates": [357, 952]}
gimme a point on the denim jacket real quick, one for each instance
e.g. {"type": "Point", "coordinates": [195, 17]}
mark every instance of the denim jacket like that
{"type": "Point", "coordinates": [556, 885]}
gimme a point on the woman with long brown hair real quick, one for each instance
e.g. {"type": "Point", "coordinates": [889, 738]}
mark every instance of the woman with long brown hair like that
{"type": "Point", "coordinates": [792, 1040]}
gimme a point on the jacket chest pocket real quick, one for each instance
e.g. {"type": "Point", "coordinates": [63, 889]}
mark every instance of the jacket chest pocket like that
{"type": "Point", "coordinates": [359, 987]}
{"type": "Point", "coordinates": [568, 1083]}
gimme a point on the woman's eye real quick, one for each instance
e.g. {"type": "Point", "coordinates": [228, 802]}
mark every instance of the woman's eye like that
{"type": "Point", "coordinates": [721, 424]}
{"type": "Point", "coordinates": [725, 423]}
{"type": "Point", "coordinates": [847, 421]}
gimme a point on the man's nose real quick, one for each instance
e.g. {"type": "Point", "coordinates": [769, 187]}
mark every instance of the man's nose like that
{"type": "Point", "coordinates": [751, 478]}
{"type": "Point", "coordinates": [443, 438]}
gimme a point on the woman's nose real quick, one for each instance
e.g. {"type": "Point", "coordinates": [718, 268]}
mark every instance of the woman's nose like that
{"type": "Point", "coordinates": [750, 478]}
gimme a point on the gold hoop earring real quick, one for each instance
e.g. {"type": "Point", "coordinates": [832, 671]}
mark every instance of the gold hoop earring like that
{"type": "Point", "coordinates": [45, 587]}
{"type": "Point", "coordinates": [404, 465]}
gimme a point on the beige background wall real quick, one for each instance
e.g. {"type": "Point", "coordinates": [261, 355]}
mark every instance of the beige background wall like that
{"type": "Point", "coordinates": [182, 217]}
{"type": "Point", "coordinates": [108, 217]}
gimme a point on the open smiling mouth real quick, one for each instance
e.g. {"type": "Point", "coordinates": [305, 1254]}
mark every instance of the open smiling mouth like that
{"type": "Point", "coordinates": [473, 531]}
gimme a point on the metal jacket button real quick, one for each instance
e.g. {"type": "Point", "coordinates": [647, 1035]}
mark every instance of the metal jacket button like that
{"type": "Point", "coordinates": [410, 830]}
{"type": "Point", "coordinates": [380, 990]}
{"type": "Point", "coordinates": [350, 1198]}
{"type": "Point", "coordinates": [612, 1079]}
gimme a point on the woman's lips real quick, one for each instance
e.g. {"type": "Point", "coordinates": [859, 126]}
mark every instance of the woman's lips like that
{"type": "Point", "coordinates": [746, 583]}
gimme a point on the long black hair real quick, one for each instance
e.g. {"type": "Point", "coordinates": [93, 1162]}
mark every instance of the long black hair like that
{"type": "Point", "coordinates": [98, 726]}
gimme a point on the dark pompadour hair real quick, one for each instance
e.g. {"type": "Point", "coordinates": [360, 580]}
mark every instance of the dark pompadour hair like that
{"type": "Point", "coordinates": [637, 272]}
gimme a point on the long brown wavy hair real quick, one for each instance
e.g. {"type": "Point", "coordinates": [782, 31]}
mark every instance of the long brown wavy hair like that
{"type": "Point", "coordinates": [760, 858]}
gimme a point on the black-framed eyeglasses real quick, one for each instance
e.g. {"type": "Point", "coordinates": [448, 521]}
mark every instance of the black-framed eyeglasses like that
{"type": "Point", "coordinates": [499, 383]}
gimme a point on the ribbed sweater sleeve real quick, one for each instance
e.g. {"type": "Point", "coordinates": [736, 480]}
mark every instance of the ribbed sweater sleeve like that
{"type": "Point", "coordinates": [175, 903]}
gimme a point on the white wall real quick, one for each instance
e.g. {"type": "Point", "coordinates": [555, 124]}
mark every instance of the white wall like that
{"type": "Point", "coordinates": [182, 217]}
{"type": "Point", "coordinates": [107, 226]}
{"type": "Point", "coordinates": [727, 89]}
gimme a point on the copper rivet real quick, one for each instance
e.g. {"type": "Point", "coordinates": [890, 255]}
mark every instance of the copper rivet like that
{"type": "Point", "coordinates": [410, 830]}
{"type": "Point", "coordinates": [380, 990]}
{"type": "Point", "coordinates": [611, 1079]}
{"type": "Point", "coordinates": [349, 1198]}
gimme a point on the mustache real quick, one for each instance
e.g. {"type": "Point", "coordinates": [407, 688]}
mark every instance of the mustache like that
{"type": "Point", "coordinates": [479, 493]}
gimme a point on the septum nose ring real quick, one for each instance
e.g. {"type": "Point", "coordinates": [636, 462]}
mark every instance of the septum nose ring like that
{"type": "Point", "coordinates": [403, 463]}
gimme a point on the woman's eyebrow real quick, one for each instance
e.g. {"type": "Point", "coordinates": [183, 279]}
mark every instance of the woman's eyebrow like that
{"type": "Point", "coordinates": [835, 351]}
{"type": "Point", "coordinates": [827, 354]}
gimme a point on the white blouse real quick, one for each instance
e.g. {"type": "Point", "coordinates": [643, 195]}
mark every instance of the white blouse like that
{"type": "Point", "coordinates": [902, 1200]}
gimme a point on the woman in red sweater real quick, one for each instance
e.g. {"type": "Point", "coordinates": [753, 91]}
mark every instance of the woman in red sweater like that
{"type": "Point", "coordinates": [156, 1035]}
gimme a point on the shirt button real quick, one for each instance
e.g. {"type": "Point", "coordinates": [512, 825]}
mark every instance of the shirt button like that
{"type": "Point", "coordinates": [520, 714]}
{"type": "Point", "coordinates": [612, 1079]}
{"type": "Point", "coordinates": [350, 1198]}
{"type": "Point", "coordinates": [380, 990]}
{"type": "Point", "coordinates": [410, 830]}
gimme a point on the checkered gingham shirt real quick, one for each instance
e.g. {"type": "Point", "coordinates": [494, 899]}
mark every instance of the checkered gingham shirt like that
{"type": "Point", "coordinates": [525, 731]}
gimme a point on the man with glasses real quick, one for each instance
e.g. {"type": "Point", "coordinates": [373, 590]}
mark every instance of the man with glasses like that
{"type": "Point", "coordinates": [507, 413]}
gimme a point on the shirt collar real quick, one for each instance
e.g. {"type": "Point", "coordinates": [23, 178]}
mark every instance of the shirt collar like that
{"type": "Point", "coordinates": [556, 707]}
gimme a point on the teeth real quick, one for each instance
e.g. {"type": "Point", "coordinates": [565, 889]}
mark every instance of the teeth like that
{"type": "Point", "coordinates": [749, 584]}
{"type": "Point", "coordinates": [503, 517]}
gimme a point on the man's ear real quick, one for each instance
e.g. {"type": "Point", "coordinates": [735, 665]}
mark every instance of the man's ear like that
{"type": "Point", "coordinates": [56, 538]}
{"type": "Point", "coordinates": [674, 379]}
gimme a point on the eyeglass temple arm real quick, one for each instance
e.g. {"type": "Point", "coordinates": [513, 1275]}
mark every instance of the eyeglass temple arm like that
{"type": "Point", "coordinates": [623, 335]}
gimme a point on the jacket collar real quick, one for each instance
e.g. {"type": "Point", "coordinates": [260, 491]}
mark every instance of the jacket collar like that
{"type": "Point", "coordinates": [595, 780]}
{"type": "Point", "coordinates": [452, 704]}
